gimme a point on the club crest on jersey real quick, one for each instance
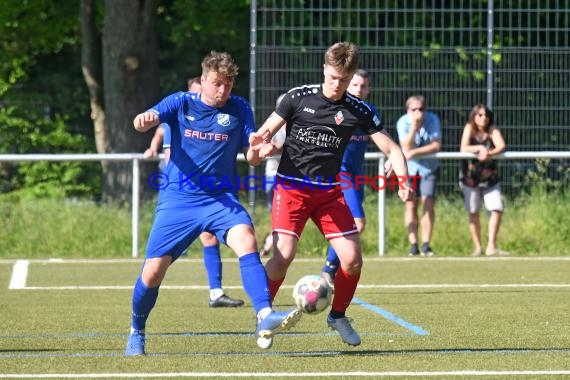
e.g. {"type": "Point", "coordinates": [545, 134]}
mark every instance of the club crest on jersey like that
{"type": "Point", "coordinates": [224, 119]}
{"type": "Point", "coordinates": [338, 118]}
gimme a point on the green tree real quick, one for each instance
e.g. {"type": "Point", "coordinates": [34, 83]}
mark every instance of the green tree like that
{"type": "Point", "coordinates": [49, 56]}
{"type": "Point", "coordinates": [122, 82]}
{"type": "Point", "coordinates": [190, 29]}
{"type": "Point", "coordinates": [41, 107]}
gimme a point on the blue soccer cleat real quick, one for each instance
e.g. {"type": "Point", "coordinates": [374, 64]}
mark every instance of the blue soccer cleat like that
{"type": "Point", "coordinates": [347, 333]}
{"type": "Point", "coordinates": [274, 323]}
{"type": "Point", "coordinates": [135, 345]}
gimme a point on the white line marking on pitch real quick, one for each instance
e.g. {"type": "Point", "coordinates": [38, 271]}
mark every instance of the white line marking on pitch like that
{"type": "Point", "coordinates": [447, 286]}
{"type": "Point", "coordinates": [288, 374]}
{"type": "Point", "coordinates": [19, 275]}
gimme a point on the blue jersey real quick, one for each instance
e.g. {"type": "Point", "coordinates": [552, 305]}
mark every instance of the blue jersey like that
{"type": "Point", "coordinates": [353, 158]}
{"type": "Point", "coordinates": [204, 142]}
{"type": "Point", "coordinates": [353, 163]}
{"type": "Point", "coordinates": [166, 136]}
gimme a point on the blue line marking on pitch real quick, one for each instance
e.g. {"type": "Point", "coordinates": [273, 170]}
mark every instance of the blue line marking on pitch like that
{"type": "Point", "coordinates": [391, 317]}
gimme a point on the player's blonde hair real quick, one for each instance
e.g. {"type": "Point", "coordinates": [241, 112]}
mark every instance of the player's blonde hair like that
{"type": "Point", "coordinates": [343, 56]}
{"type": "Point", "coordinates": [220, 62]}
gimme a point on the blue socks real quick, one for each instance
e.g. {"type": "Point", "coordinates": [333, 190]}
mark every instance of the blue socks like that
{"type": "Point", "coordinates": [253, 276]}
{"type": "Point", "coordinates": [332, 263]}
{"type": "Point", "coordinates": [213, 264]}
{"type": "Point", "coordinates": [143, 301]}
{"type": "Point", "coordinates": [254, 279]}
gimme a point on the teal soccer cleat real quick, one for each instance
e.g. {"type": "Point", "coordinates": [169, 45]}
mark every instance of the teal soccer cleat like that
{"type": "Point", "coordinates": [347, 333]}
{"type": "Point", "coordinates": [135, 345]}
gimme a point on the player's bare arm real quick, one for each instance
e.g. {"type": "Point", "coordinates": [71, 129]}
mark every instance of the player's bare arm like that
{"type": "Point", "coordinates": [145, 121]}
{"type": "Point", "coordinates": [271, 149]}
{"type": "Point", "coordinates": [399, 165]}
{"type": "Point", "coordinates": [155, 144]}
{"type": "Point", "coordinates": [388, 169]}
{"type": "Point", "coordinates": [252, 155]}
{"type": "Point", "coordinates": [260, 141]}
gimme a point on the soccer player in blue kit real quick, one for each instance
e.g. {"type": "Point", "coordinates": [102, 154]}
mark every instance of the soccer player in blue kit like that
{"type": "Point", "coordinates": [211, 246]}
{"type": "Point", "coordinates": [208, 130]}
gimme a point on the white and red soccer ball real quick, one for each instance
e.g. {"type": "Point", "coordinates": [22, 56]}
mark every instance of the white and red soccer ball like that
{"type": "Point", "coordinates": [312, 294]}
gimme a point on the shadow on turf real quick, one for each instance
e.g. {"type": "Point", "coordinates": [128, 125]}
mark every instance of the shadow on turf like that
{"type": "Point", "coordinates": [204, 333]}
{"type": "Point", "coordinates": [360, 353]}
{"type": "Point", "coordinates": [46, 353]}
{"type": "Point", "coordinates": [357, 352]}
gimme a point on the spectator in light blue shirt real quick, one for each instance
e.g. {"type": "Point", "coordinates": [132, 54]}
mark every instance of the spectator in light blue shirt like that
{"type": "Point", "coordinates": [419, 132]}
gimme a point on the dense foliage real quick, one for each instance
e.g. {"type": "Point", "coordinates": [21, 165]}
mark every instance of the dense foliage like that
{"type": "Point", "coordinates": [44, 104]}
{"type": "Point", "coordinates": [43, 107]}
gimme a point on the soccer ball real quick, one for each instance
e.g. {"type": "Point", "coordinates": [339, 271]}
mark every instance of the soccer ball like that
{"type": "Point", "coordinates": [312, 294]}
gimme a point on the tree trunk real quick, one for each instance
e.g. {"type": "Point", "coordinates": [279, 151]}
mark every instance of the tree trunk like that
{"type": "Point", "coordinates": [91, 68]}
{"type": "Point", "coordinates": [130, 75]}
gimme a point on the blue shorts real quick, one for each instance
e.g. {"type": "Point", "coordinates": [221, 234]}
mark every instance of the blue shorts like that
{"type": "Point", "coordinates": [180, 219]}
{"type": "Point", "coordinates": [354, 198]}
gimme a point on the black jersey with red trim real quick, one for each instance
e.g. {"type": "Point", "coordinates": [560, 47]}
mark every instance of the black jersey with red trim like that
{"type": "Point", "coordinates": [318, 130]}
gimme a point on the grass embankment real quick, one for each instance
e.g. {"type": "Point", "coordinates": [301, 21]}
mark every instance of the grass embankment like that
{"type": "Point", "coordinates": [534, 225]}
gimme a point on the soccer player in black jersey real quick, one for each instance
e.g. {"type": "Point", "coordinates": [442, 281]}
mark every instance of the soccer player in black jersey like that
{"type": "Point", "coordinates": [320, 120]}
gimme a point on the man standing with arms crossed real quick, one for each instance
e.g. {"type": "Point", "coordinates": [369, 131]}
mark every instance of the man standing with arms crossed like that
{"type": "Point", "coordinates": [320, 120]}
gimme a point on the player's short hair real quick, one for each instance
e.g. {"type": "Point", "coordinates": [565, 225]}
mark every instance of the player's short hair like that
{"type": "Point", "coordinates": [418, 98]}
{"type": "Point", "coordinates": [194, 81]}
{"type": "Point", "coordinates": [362, 73]}
{"type": "Point", "coordinates": [220, 62]}
{"type": "Point", "coordinates": [342, 56]}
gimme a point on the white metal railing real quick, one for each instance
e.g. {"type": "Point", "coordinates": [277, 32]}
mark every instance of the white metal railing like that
{"type": "Point", "coordinates": [444, 156]}
{"type": "Point", "coordinates": [135, 158]}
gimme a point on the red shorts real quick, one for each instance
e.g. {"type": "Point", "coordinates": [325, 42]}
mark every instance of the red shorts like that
{"type": "Point", "coordinates": [295, 202]}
